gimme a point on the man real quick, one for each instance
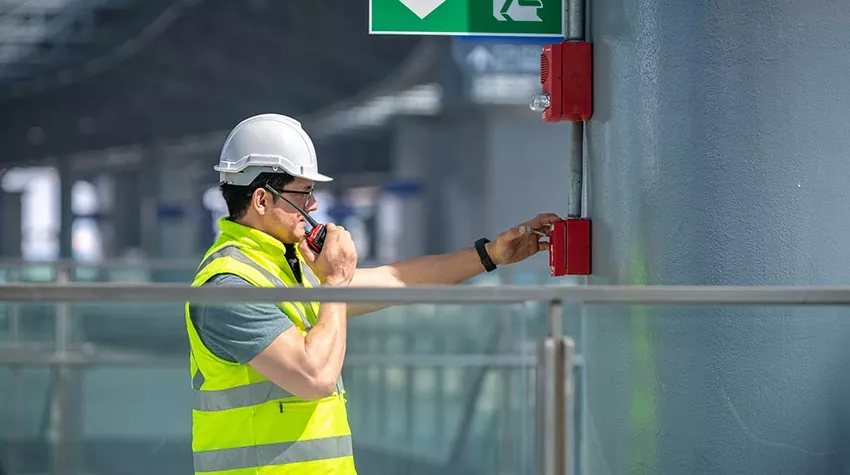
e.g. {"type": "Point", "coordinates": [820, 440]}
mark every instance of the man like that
{"type": "Point", "coordinates": [268, 396]}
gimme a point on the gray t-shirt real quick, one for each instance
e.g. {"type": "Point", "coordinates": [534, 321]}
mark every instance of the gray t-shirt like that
{"type": "Point", "coordinates": [237, 332]}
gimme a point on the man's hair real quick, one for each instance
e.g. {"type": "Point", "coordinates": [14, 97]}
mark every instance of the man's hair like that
{"type": "Point", "coordinates": [238, 198]}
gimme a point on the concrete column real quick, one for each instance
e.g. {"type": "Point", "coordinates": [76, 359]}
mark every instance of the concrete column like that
{"type": "Point", "coordinates": [107, 190]}
{"type": "Point", "coordinates": [485, 170]}
{"type": "Point", "coordinates": [66, 215]}
{"type": "Point", "coordinates": [126, 211]}
{"type": "Point", "coordinates": [457, 170]}
{"type": "Point", "coordinates": [527, 173]}
{"type": "Point", "coordinates": [10, 232]}
{"type": "Point", "coordinates": [402, 230]}
{"type": "Point", "coordinates": [170, 203]}
{"type": "Point", "coordinates": [177, 208]}
{"type": "Point", "coordinates": [718, 155]}
{"type": "Point", "coordinates": [149, 187]}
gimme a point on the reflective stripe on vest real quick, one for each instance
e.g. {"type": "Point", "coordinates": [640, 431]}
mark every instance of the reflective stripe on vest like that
{"type": "Point", "coordinates": [273, 454]}
{"type": "Point", "coordinates": [240, 396]}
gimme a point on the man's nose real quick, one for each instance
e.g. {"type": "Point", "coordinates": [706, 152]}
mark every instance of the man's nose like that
{"type": "Point", "coordinates": [312, 204]}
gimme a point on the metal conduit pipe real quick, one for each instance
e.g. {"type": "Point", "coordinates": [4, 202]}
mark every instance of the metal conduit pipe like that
{"type": "Point", "coordinates": [574, 18]}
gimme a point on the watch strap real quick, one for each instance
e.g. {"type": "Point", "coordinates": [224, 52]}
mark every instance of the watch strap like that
{"type": "Point", "coordinates": [486, 261]}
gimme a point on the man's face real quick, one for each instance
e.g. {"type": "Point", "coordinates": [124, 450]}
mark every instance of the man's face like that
{"type": "Point", "coordinates": [282, 220]}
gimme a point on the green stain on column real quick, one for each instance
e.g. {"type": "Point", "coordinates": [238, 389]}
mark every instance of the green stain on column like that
{"type": "Point", "coordinates": [643, 414]}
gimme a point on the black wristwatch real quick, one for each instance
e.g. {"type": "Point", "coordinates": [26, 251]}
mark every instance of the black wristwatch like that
{"type": "Point", "coordinates": [489, 266]}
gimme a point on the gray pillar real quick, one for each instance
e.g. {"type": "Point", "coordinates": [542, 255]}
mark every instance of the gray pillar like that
{"type": "Point", "coordinates": [461, 179]}
{"type": "Point", "coordinates": [177, 207]}
{"type": "Point", "coordinates": [107, 190]}
{"type": "Point", "coordinates": [528, 173]}
{"type": "Point", "coordinates": [493, 168]}
{"type": "Point", "coordinates": [449, 157]}
{"type": "Point", "coordinates": [402, 215]}
{"type": "Point", "coordinates": [718, 155]}
{"type": "Point", "coordinates": [456, 170]}
{"type": "Point", "coordinates": [10, 231]}
{"type": "Point", "coordinates": [66, 220]}
{"type": "Point", "coordinates": [126, 211]}
{"type": "Point", "coordinates": [149, 187]}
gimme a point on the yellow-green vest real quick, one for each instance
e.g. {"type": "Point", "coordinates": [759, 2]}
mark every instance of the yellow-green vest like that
{"type": "Point", "coordinates": [242, 423]}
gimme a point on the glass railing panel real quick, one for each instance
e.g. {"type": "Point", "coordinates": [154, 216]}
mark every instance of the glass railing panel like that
{"type": "Point", "coordinates": [178, 271]}
{"type": "Point", "coordinates": [25, 419]}
{"type": "Point", "coordinates": [33, 323]}
{"type": "Point", "coordinates": [432, 379]}
{"type": "Point", "coordinates": [137, 416]}
{"type": "Point", "coordinates": [715, 389]}
{"type": "Point", "coordinates": [446, 388]}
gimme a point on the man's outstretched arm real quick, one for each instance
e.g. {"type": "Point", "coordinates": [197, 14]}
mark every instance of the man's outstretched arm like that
{"type": "Point", "coordinates": [513, 245]}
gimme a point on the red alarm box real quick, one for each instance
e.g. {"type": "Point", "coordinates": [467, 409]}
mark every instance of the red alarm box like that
{"type": "Point", "coordinates": [569, 247]}
{"type": "Point", "coordinates": [566, 76]}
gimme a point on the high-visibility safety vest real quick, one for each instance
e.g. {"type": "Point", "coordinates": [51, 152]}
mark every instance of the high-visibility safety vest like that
{"type": "Point", "coordinates": [242, 423]}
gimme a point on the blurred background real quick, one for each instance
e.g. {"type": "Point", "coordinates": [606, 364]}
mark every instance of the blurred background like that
{"type": "Point", "coordinates": [717, 154]}
{"type": "Point", "coordinates": [112, 115]}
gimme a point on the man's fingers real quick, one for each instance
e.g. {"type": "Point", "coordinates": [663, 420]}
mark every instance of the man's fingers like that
{"type": "Point", "coordinates": [543, 219]}
{"type": "Point", "coordinates": [542, 246]}
{"type": "Point", "coordinates": [540, 221]}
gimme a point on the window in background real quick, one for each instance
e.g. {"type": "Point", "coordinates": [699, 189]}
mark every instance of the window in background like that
{"type": "Point", "coordinates": [86, 242]}
{"type": "Point", "coordinates": [39, 187]}
{"type": "Point", "coordinates": [40, 214]}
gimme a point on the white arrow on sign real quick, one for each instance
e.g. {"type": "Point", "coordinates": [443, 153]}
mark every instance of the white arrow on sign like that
{"type": "Point", "coordinates": [517, 10]}
{"type": "Point", "coordinates": [422, 8]}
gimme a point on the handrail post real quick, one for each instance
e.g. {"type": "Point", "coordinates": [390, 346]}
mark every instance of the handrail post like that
{"type": "Point", "coordinates": [60, 410]}
{"type": "Point", "coordinates": [16, 391]}
{"type": "Point", "coordinates": [555, 319]}
{"type": "Point", "coordinates": [567, 394]}
{"type": "Point", "coordinates": [554, 407]}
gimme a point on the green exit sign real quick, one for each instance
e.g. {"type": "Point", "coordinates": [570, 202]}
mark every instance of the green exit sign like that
{"type": "Point", "coordinates": [467, 17]}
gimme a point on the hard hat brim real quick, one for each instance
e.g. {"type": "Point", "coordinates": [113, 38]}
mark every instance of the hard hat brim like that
{"type": "Point", "coordinates": [243, 173]}
{"type": "Point", "coordinates": [246, 177]}
{"type": "Point", "coordinates": [315, 177]}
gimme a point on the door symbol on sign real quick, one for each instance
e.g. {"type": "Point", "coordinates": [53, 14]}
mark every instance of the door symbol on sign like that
{"type": "Point", "coordinates": [517, 10]}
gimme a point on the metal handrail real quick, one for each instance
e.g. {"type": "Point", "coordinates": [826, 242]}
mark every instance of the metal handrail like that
{"type": "Point", "coordinates": [146, 264]}
{"type": "Point", "coordinates": [466, 294]}
{"type": "Point", "coordinates": [129, 264]}
{"type": "Point", "coordinates": [47, 356]}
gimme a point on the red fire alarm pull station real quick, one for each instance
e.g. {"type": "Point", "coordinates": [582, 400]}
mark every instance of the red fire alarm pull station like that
{"type": "Point", "coordinates": [566, 73]}
{"type": "Point", "coordinates": [569, 247]}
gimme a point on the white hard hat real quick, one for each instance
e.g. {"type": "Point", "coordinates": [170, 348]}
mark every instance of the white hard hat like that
{"type": "Point", "coordinates": [267, 143]}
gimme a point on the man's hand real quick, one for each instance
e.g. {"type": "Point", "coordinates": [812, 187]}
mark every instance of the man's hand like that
{"type": "Point", "coordinates": [336, 263]}
{"type": "Point", "coordinates": [520, 242]}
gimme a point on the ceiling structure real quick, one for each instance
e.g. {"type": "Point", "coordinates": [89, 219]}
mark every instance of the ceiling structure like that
{"type": "Point", "coordinates": [79, 75]}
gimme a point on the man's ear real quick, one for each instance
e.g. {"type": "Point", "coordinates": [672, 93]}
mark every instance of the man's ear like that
{"type": "Point", "coordinates": [261, 200]}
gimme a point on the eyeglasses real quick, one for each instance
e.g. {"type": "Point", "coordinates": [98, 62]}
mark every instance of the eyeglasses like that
{"type": "Point", "coordinates": [308, 194]}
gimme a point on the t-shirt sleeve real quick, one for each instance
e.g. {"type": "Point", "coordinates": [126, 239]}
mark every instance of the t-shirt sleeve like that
{"type": "Point", "coordinates": [240, 331]}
